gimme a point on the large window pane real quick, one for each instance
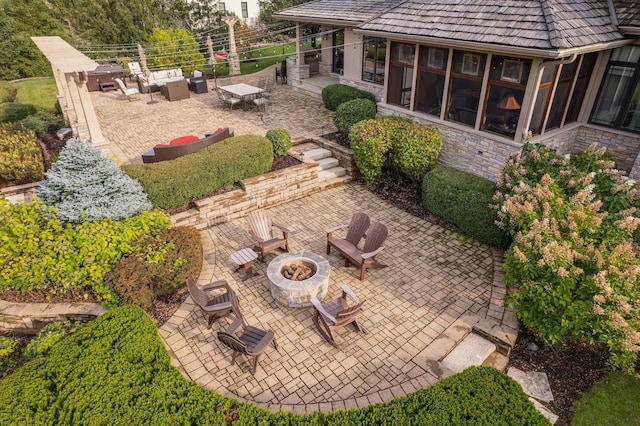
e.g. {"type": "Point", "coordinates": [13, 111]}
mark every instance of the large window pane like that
{"type": "Point", "coordinates": [584, 75]}
{"type": "Point", "coordinates": [507, 84]}
{"type": "Point", "coordinates": [557, 107]}
{"type": "Point", "coordinates": [401, 74]}
{"type": "Point", "coordinates": [373, 61]}
{"type": "Point", "coordinates": [466, 84]}
{"type": "Point", "coordinates": [618, 82]}
{"type": "Point", "coordinates": [432, 68]}
{"type": "Point", "coordinates": [618, 98]}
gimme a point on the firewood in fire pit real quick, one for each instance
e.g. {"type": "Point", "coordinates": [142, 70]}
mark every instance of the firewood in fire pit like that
{"type": "Point", "coordinates": [297, 271]}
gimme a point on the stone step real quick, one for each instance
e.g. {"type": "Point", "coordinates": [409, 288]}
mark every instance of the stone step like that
{"type": "Point", "coordinates": [497, 361]}
{"type": "Point", "coordinates": [328, 163]}
{"type": "Point", "coordinates": [317, 154]}
{"type": "Point", "coordinates": [334, 182]}
{"type": "Point", "coordinates": [472, 350]}
{"type": "Point", "coordinates": [331, 173]}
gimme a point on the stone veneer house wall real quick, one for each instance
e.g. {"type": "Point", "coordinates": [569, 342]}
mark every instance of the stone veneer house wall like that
{"type": "Point", "coordinates": [485, 72]}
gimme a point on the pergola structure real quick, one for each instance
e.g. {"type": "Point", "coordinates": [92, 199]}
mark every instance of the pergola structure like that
{"type": "Point", "coordinates": [70, 68]}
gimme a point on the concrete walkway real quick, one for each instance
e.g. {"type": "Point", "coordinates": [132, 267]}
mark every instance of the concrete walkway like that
{"type": "Point", "coordinates": [435, 277]}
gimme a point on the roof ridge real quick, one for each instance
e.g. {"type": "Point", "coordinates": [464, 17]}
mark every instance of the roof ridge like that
{"type": "Point", "coordinates": [556, 37]}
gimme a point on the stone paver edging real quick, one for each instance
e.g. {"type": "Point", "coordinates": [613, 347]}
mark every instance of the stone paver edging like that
{"type": "Point", "coordinates": [29, 318]}
{"type": "Point", "coordinates": [437, 279]}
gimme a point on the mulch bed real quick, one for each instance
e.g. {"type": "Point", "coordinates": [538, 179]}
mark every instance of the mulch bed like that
{"type": "Point", "coordinates": [338, 138]}
{"type": "Point", "coordinates": [51, 147]}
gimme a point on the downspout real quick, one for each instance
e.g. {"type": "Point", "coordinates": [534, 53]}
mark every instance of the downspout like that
{"type": "Point", "coordinates": [545, 63]}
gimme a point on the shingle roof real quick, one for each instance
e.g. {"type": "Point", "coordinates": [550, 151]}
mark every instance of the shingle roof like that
{"type": "Point", "coordinates": [628, 12]}
{"type": "Point", "coordinates": [542, 24]}
{"type": "Point", "coordinates": [356, 11]}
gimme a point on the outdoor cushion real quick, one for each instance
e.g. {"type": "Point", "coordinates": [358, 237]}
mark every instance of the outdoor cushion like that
{"type": "Point", "coordinates": [161, 144]}
{"type": "Point", "coordinates": [183, 139]}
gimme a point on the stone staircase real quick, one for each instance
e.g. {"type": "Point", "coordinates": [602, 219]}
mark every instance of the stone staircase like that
{"type": "Point", "coordinates": [330, 174]}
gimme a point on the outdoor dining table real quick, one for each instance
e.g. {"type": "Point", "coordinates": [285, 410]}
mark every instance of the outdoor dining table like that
{"type": "Point", "coordinates": [242, 91]}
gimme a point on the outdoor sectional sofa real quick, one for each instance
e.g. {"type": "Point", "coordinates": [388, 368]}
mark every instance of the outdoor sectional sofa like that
{"type": "Point", "coordinates": [157, 79]}
{"type": "Point", "coordinates": [184, 145]}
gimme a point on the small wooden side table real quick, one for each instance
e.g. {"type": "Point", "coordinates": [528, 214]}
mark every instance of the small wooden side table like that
{"type": "Point", "coordinates": [245, 257]}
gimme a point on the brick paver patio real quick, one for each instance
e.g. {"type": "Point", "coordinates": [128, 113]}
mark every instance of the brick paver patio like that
{"type": "Point", "coordinates": [435, 276]}
{"type": "Point", "coordinates": [134, 127]}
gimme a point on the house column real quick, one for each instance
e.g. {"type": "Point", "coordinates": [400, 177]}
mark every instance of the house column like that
{"type": "Point", "coordinates": [234, 60]}
{"type": "Point", "coordinates": [300, 70]}
{"type": "Point", "coordinates": [87, 126]}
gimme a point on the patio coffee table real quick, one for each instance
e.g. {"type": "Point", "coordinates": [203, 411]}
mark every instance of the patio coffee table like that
{"type": "Point", "coordinates": [245, 257]}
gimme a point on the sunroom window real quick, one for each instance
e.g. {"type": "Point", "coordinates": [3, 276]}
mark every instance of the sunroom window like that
{"type": "Point", "coordinates": [467, 72]}
{"type": "Point", "coordinates": [432, 67]}
{"type": "Point", "coordinates": [618, 102]}
{"type": "Point", "coordinates": [401, 74]}
{"type": "Point", "coordinates": [507, 83]}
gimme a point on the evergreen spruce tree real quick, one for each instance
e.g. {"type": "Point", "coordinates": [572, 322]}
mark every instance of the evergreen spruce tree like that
{"type": "Point", "coordinates": [85, 183]}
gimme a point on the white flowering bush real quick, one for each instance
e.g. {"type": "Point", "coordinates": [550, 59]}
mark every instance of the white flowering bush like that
{"type": "Point", "coordinates": [574, 264]}
{"type": "Point", "coordinates": [84, 183]}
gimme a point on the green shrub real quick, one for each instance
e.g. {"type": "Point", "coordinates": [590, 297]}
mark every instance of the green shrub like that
{"type": "Point", "coordinates": [171, 184]}
{"type": "Point", "coordinates": [281, 140]}
{"type": "Point", "coordinates": [8, 354]}
{"type": "Point", "coordinates": [49, 336]}
{"type": "Point", "coordinates": [352, 112]}
{"type": "Point", "coordinates": [115, 370]}
{"type": "Point", "coordinates": [415, 150]}
{"type": "Point", "coordinates": [42, 121]}
{"type": "Point", "coordinates": [20, 156]}
{"type": "Point", "coordinates": [39, 252]}
{"type": "Point", "coordinates": [12, 112]}
{"type": "Point", "coordinates": [370, 141]}
{"type": "Point", "coordinates": [464, 199]}
{"type": "Point", "coordinates": [57, 108]}
{"type": "Point", "coordinates": [412, 147]}
{"type": "Point", "coordinates": [158, 266]}
{"type": "Point", "coordinates": [8, 92]}
{"type": "Point", "coordinates": [574, 262]}
{"type": "Point", "coordinates": [336, 94]}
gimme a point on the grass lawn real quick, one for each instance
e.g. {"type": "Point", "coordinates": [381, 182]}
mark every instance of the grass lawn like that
{"type": "Point", "coordinates": [40, 93]}
{"type": "Point", "coordinates": [261, 58]}
{"type": "Point", "coordinates": [614, 401]}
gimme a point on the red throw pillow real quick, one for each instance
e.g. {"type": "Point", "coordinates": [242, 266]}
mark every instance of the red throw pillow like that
{"type": "Point", "coordinates": [183, 139]}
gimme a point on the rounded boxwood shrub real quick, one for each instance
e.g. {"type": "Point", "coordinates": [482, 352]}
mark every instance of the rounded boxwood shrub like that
{"type": "Point", "coordinates": [415, 149]}
{"type": "Point", "coordinates": [370, 142]}
{"type": "Point", "coordinates": [21, 159]}
{"type": "Point", "coordinates": [173, 183]}
{"type": "Point", "coordinates": [352, 112]}
{"type": "Point", "coordinates": [464, 199]}
{"type": "Point", "coordinates": [12, 112]}
{"type": "Point", "coordinates": [281, 140]}
{"type": "Point", "coordinates": [158, 266]}
{"type": "Point", "coordinates": [42, 121]}
{"type": "Point", "coordinates": [336, 94]}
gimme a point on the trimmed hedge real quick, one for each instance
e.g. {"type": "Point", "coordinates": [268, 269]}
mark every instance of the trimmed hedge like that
{"type": "Point", "coordinates": [352, 112]}
{"type": "Point", "coordinates": [115, 370]}
{"type": "Point", "coordinates": [336, 94]}
{"type": "Point", "coordinates": [463, 199]}
{"type": "Point", "coordinates": [158, 266]}
{"type": "Point", "coordinates": [281, 140]}
{"type": "Point", "coordinates": [171, 184]}
{"type": "Point", "coordinates": [12, 112]}
{"type": "Point", "coordinates": [21, 159]}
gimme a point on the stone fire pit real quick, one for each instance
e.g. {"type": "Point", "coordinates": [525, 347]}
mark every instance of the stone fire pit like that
{"type": "Point", "coordinates": [298, 294]}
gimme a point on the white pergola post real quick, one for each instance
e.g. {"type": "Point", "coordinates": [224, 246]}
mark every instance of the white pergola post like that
{"type": "Point", "coordinates": [234, 60]}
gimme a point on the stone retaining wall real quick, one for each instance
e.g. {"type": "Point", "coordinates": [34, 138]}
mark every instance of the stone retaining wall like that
{"type": "Point", "coordinates": [30, 318]}
{"type": "Point", "coordinates": [264, 191]}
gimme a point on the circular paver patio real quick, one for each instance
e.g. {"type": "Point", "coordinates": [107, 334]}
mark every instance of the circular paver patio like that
{"type": "Point", "coordinates": [435, 276]}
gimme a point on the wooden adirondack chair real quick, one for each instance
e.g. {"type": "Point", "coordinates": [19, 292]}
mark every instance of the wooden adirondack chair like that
{"type": "Point", "coordinates": [251, 342]}
{"type": "Point", "coordinates": [365, 257]}
{"type": "Point", "coordinates": [218, 305]}
{"type": "Point", "coordinates": [355, 231]}
{"type": "Point", "coordinates": [337, 313]}
{"type": "Point", "coordinates": [261, 228]}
